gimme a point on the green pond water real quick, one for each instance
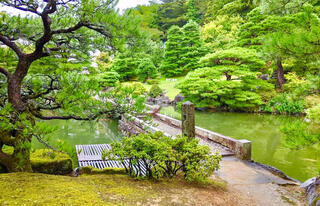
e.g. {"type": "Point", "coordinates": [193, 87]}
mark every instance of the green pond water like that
{"type": "Point", "coordinates": [82, 132]}
{"type": "Point", "coordinates": [267, 141]}
{"type": "Point", "coordinates": [263, 130]}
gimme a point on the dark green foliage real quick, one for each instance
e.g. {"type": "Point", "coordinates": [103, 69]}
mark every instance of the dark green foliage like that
{"type": "Point", "coordinates": [108, 79]}
{"type": "Point", "coordinates": [169, 13]}
{"type": "Point", "coordinates": [126, 67]}
{"type": "Point", "coordinates": [164, 157]}
{"type": "Point", "coordinates": [146, 70]}
{"type": "Point", "coordinates": [171, 65]}
{"type": "Point", "coordinates": [228, 80]}
{"type": "Point", "coordinates": [228, 7]}
{"type": "Point", "coordinates": [192, 47]}
{"type": "Point", "coordinates": [155, 91]}
{"type": "Point", "coordinates": [192, 10]}
{"type": "Point", "coordinates": [183, 50]}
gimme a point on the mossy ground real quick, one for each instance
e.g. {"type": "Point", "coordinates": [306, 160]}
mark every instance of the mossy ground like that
{"type": "Point", "coordinates": [109, 189]}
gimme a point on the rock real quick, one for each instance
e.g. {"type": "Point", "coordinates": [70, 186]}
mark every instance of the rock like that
{"type": "Point", "coordinates": [178, 98]}
{"type": "Point", "coordinates": [202, 109]}
{"type": "Point", "coordinates": [312, 186]}
{"type": "Point", "coordinates": [308, 182]}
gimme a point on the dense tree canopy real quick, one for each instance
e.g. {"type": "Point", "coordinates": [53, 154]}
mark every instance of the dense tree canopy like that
{"type": "Point", "coordinates": [47, 52]}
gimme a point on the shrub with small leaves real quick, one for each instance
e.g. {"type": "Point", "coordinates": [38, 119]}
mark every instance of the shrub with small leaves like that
{"type": "Point", "coordinates": [155, 91]}
{"type": "Point", "coordinates": [108, 79]}
{"type": "Point", "coordinates": [164, 156]}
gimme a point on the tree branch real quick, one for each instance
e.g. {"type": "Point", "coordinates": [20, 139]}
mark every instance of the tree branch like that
{"type": "Point", "coordinates": [90, 117]}
{"type": "Point", "coordinates": [70, 29]}
{"type": "Point", "coordinates": [12, 45]}
{"type": "Point", "coordinates": [5, 72]}
{"type": "Point", "coordinates": [49, 89]}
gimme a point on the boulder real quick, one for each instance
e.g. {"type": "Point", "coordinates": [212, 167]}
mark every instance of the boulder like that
{"type": "Point", "coordinates": [178, 98]}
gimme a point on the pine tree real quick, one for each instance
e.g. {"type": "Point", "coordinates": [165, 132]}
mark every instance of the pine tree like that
{"type": "Point", "coordinates": [192, 11]}
{"type": "Point", "coordinates": [172, 65]}
{"type": "Point", "coordinates": [192, 46]}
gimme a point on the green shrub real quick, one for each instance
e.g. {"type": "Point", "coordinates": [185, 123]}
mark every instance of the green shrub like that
{"type": "Point", "coordinates": [47, 161]}
{"type": "Point", "coordinates": [51, 162]}
{"type": "Point", "coordinates": [155, 91]}
{"type": "Point", "coordinates": [283, 104]}
{"type": "Point", "coordinates": [163, 156]}
{"type": "Point", "coordinates": [153, 81]}
{"type": "Point", "coordinates": [146, 69]}
{"type": "Point", "coordinates": [135, 88]}
{"type": "Point", "coordinates": [108, 79]}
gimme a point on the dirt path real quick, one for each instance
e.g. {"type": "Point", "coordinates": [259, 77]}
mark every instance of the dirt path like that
{"type": "Point", "coordinates": [250, 180]}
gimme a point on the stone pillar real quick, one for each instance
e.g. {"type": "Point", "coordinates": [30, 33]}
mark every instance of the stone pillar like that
{"type": "Point", "coordinates": [243, 149]}
{"type": "Point", "coordinates": [187, 117]}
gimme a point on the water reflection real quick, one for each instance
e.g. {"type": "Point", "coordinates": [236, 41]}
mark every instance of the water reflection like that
{"type": "Point", "coordinates": [267, 141]}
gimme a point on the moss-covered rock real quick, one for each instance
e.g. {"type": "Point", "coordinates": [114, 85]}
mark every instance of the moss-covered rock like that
{"type": "Point", "coordinates": [46, 161]}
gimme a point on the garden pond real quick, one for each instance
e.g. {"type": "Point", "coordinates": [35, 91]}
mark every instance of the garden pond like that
{"type": "Point", "coordinates": [267, 140]}
{"type": "Point", "coordinates": [262, 129]}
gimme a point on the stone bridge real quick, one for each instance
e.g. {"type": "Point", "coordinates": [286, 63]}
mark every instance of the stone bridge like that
{"type": "Point", "coordinates": [226, 146]}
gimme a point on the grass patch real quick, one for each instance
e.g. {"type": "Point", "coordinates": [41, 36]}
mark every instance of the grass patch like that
{"type": "Point", "coordinates": [107, 189]}
{"type": "Point", "coordinates": [169, 87]}
{"type": "Point", "coordinates": [169, 111]}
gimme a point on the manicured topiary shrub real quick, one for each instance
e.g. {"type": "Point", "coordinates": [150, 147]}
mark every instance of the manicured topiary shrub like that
{"type": "Point", "coordinates": [47, 161]}
{"type": "Point", "coordinates": [50, 162]}
{"type": "Point", "coordinates": [155, 91]}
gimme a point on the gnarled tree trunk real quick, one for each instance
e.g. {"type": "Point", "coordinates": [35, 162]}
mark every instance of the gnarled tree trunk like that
{"type": "Point", "coordinates": [280, 74]}
{"type": "Point", "coordinates": [17, 138]}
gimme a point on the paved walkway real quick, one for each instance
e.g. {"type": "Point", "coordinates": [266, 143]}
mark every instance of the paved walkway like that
{"type": "Point", "coordinates": [265, 188]}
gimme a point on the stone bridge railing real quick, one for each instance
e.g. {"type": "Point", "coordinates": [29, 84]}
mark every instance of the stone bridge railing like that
{"type": "Point", "coordinates": [241, 148]}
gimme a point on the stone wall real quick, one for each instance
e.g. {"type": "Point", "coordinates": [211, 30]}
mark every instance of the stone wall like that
{"type": "Point", "coordinates": [242, 148]}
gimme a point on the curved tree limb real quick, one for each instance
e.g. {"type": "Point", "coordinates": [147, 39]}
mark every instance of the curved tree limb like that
{"type": "Point", "coordinates": [5, 72]}
{"type": "Point", "coordinates": [12, 45]}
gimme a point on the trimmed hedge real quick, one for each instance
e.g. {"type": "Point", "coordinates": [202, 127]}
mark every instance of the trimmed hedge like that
{"type": "Point", "coordinates": [50, 162]}
{"type": "Point", "coordinates": [47, 161]}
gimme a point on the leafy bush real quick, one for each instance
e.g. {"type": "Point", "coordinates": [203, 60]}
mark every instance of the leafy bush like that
{"type": "Point", "coordinates": [136, 88]}
{"type": "Point", "coordinates": [163, 156]}
{"type": "Point", "coordinates": [283, 104]}
{"type": "Point", "coordinates": [298, 135]}
{"type": "Point", "coordinates": [153, 81]}
{"type": "Point", "coordinates": [108, 79]}
{"type": "Point", "coordinates": [314, 114]}
{"type": "Point", "coordinates": [155, 91]}
{"type": "Point", "coordinates": [146, 69]}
